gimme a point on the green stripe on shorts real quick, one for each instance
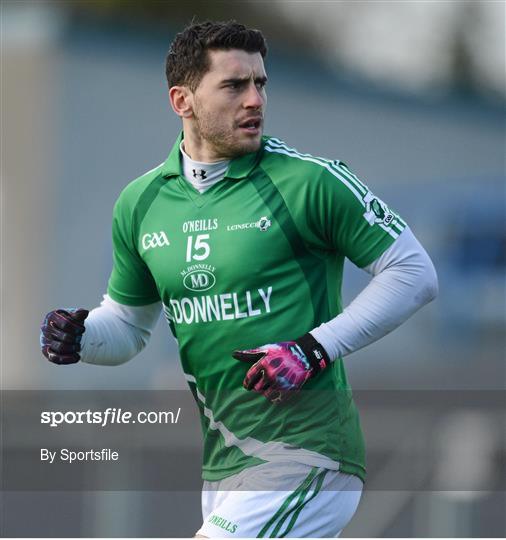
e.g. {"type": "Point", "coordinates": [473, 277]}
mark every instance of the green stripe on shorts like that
{"type": "Point", "coordinates": [298, 504]}
{"type": "Point", "coordinates": [319, 483]}
{"type": "Point", "coordinates": [305, 484]}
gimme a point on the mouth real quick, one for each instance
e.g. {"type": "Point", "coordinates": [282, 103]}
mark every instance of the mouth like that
{"type": "Point", "coordinates": [251, 126]}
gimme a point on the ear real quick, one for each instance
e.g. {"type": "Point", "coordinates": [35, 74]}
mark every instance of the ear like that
{"type": "Point", "coordinates": [181, 100]}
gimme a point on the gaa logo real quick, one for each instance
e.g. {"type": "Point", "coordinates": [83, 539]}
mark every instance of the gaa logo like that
{"type": "Point", "coordinates": [263, 223]}
{"type": "Point", "coordinates": [199, 280]}
{"type": "Point", "coordinates": [154, 240]}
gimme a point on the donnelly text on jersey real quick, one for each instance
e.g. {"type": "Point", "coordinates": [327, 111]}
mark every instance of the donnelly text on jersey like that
{"type": "Point", "coordinates": [220, 307]}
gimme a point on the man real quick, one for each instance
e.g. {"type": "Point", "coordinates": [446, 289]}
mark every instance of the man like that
{"type": "Point", "coordinates": [241, 239]}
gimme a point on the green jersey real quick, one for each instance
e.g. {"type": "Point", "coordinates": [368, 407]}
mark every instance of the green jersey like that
{"type": "Point", "coordinates": [256, 259]}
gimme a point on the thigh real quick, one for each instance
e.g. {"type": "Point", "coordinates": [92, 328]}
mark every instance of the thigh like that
{"type": "Point", "coordinates": [319, 504]}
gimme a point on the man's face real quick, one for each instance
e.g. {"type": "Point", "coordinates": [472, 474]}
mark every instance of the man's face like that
{"type": "Point", "coordinates": [229, 104]}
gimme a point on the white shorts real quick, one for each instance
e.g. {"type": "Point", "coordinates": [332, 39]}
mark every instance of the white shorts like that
{"type": "Point", "coordinates": [280, 500]}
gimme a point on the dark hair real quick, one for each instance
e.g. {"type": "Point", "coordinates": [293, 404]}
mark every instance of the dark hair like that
{"type": "Point", "coordinates": [187, 60]}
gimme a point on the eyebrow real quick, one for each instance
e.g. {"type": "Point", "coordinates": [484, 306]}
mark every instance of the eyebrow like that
{"type": "Point", "coordinates": [241, 80]}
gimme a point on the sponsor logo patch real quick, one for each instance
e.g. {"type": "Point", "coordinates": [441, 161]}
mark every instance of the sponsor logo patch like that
{"type": "Point", "coordinates": [264, 223]}
{"type": "Point", "coordinates": [376, 211]}
{"type": "Point", "coordinates": [199, 280]}
{"type": "Point", "coordinates": [199, 277]}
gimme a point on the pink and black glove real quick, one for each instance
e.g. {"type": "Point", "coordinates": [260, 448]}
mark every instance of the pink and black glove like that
{"type": "Point", "coordinates": [61, 334]}
{"type": "Point", "coordinates": [280, 369]}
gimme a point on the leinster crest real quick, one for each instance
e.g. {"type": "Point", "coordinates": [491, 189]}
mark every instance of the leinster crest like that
{"type": "Point", "coordinates": [263, 223]}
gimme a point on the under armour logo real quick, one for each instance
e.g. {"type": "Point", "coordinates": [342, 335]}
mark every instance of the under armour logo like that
{"type": "Point", "coordinates": [199, 173]}
{"type": "Point", "coordinates": [155, 240]}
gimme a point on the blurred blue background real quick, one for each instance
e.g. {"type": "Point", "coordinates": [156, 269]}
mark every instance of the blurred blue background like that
{"type": "Point", "coordinates": [410, 95]}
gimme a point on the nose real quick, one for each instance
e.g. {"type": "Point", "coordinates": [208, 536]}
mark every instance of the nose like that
{"type": "Point", "coordinates": [254, 98]}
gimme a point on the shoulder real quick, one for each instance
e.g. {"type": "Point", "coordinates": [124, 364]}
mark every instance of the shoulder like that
{"type": "Point", "coordinates": [281, 160]}
{"type": "Point", "coordinates": [134, 191]}
{"type": "Point", "coordinates": [278, 154]}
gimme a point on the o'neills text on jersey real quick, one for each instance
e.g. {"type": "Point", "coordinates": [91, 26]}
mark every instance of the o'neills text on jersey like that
{"type": "Point", "coordinates": [200, 225]}
{"type": "Point", "coordinates": [220, 307]}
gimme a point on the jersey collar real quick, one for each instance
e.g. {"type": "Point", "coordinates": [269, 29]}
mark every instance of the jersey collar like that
{"type": "Point", "coordinates": [239, 167]}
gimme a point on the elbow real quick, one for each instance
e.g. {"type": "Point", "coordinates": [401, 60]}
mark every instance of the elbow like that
{"type": "Point", "coordinates": [434, 283]}
{"type": "Point", "coordinates": [432, 291]}
{"type": "Point", "coordinates": [140, 339]}
{"type": "Point", "coordinates": [430, 288]}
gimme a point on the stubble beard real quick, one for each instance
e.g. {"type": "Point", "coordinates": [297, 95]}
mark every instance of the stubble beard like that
{"type": "Point", "coordinates": [222, 137]}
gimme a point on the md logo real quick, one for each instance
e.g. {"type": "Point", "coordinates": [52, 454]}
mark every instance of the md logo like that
{"type": "Point", "coordinates": [199, 280]}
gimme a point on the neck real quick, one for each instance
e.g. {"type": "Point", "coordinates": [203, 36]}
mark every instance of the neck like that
{"type": "Point", "coordinates": [189, 158]}
{"type": "Point", "coordinates": [198, 149]}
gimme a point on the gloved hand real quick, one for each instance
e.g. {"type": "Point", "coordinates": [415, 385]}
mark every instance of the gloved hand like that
{"type": "Point", "coordinates": [280, 369]}
{"type": "Point", "coordinates": [61, 333]}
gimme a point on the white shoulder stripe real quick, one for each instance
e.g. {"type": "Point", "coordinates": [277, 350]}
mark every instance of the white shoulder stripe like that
{"type": "Point", "coordinates": [335, 164]}
{"type": "Point", "coordinates": [190, 378]}
{"type": "Point", "coordinates": [348, 179]}
{"type": "Point", "coordinates": [387, 229]}
{"type": "Point", "coordinates": [351, 187]}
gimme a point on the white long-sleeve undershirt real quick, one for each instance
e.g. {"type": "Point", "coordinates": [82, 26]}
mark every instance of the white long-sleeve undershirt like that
{"type": "Point", "coordinates": [404, 279]}
{"type": "Point", "coordinates": [115, 333]}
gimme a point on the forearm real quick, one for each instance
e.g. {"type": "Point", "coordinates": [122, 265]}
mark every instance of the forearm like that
{"type": "Point", "coordinates": [404, 279]}
{"type": "Point", "coordinates": [116, 333]}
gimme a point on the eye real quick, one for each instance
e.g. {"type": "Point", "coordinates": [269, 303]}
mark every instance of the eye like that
{"type": "Point", "coordinates": [237, 85]}
{"type": "Point", "coordinates": [261, 84]}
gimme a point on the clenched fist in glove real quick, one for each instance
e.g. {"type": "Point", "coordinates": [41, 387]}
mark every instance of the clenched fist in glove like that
{"type": "Point", "coordinates": [61, 333]}
{"type": "Point", "coordinates": [280, 369]}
